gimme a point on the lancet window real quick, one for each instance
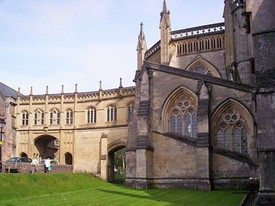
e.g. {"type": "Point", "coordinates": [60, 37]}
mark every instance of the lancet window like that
{"type": "Point", "coordinates": [54, 117]}
{"type": "Point", "coordinates": [25, 118]}
{"type": "Point", "coordinates": [69, 116]}
{"type": "Point", "coordinates": [111, 113]}
{"type": "Point", "coordinates": [39, 117]}
{"type": "Point", "coordinates": [91, 115]}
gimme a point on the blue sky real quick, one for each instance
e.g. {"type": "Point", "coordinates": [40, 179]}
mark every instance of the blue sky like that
{"type": "Point", "coordinates": [67, 42]}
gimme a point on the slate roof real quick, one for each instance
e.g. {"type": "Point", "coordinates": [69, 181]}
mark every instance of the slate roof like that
{"type": "Point", "coordinates": [6, 91]}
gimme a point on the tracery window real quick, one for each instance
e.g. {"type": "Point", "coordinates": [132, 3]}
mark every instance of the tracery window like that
{"type": "Point", "coordinates": [25, 118]}
{"type": "Point", "coordinates": [202, 70]}
{"type": "Point", "coordinates": [111, 113]}
{"type": "Point", "coordinates": [91, 115]}
{"type": "Point", "coordinates": [69, 116]}
{"type": "Point", "coordinates": [183, 118]}
{"type": "Point", "coordinates": [231, 132]}
{"type": "Point", "coordinates": [39, 117]}
{"type": "Point", "coordinates": [54, 117]}
{"type": "Point", "coordinates": [130, 110]}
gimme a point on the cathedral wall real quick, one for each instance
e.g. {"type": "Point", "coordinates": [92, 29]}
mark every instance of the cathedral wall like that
{"type": "Point", "coordinates": [216, 58]}
{"type": "Point", "coordinates": [173, 159]}
{"type": "Point", "coordinates": [161, 92]}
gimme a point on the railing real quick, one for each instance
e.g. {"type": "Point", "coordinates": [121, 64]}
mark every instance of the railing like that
{"type": "Point", "coordinates": [198, 31]}
{"type": "Point", "coordinates": [211, 29]}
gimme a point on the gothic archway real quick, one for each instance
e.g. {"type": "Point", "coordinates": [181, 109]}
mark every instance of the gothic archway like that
{"type": "Point", "coordinates": [116, 161]}
{"type": "Point", "coordinates": [47, 146]}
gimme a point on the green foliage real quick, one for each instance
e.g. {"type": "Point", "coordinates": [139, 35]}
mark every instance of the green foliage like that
{"type": "Point", "coordinates": [120, 159]}
{"type": "Point", "coordinates": [85, 190]}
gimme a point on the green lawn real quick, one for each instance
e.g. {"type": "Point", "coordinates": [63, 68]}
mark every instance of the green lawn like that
{"type": "Point", "coordinates": [84, 190]}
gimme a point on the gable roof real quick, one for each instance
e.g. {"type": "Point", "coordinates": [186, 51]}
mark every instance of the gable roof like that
{"type": "Point", "coordinates": [6, 91]}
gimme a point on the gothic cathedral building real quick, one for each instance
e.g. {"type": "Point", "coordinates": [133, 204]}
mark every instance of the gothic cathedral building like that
{"type": "Point", "coordinates": [204, 112]}
{"type": "Point", "coordinates": [201, 114]}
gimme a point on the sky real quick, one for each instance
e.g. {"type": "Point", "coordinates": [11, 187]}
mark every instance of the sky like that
{"type": "Point", "coordinates": [67, 42]}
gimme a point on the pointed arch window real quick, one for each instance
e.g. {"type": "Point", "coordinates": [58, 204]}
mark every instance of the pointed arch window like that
{"type": "Point", "coordinates": [231, 132]}
{"type": "Point", "coordinates": [38, 117]}
{"type": "Point", "coordinates": [111, 113]}
{"type": "Point", "coordinates": [91, 115]}
{"type": "Point", "coordinates": [183, 118]}
{"type": "Point", "coordinates": [25, 118]}
{"type": "Point", "coordinates": [69, 117]}
{"type": "Point", "coordinates": [54, 117]}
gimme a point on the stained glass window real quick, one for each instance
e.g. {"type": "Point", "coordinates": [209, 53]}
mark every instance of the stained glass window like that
{"type": "Point", "coordinates": [236, 139]}
{"type": "Point", "coordinates": [179, 124]}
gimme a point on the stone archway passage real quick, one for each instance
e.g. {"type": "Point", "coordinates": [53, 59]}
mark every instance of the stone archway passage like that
{"type": "Point", "coordinates": [117, 165]}
{"type": "Point", "coordinates": [47, 147]}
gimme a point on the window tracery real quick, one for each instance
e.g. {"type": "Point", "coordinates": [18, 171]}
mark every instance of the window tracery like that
{"type": "Point", "coordinates": [183, 118]}
{"type": "Point", "coordinates": [231, 132]}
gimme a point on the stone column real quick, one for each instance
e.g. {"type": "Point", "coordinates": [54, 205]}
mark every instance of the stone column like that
{"type": "Point", "coordinates": [203, 156]}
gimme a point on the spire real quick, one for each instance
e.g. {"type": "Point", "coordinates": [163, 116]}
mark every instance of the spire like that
{"type": "Point", "coordinates": [141, 39]}
{"type": "Point", "coordinates": [164, 7]}
{"type": "Point", "coordinates": [165, 34]}
{"type": "Point", "coordinates": [165, 17]}
{"type": "Point", "coordinates": [141, 47]}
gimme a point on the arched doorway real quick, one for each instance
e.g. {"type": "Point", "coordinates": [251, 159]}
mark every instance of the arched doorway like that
{"type": "Point", "coordinates": [117, 165]}
{"type": "Point", "coordinates": [47, 147]}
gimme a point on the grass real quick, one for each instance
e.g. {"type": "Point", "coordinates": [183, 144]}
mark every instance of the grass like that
{"type": "Point", "coordinates": [84, 190]}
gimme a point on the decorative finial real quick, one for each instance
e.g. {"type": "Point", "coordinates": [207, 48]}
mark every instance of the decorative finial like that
{"type": "Point", "coordinates": [31, 91]}
{"type": "Point", "coordinates": [18, 92]}
{"type": "Point", "coordinates": [120, 83]}
{"type": "Point", "coordinates": [47, 89]}
{"type": "Point", "coordinates": [75, 86]}
{"type": "Point", "coordinates": [100, 85]}
{"type": "Point", "coordinates": [62, 89]}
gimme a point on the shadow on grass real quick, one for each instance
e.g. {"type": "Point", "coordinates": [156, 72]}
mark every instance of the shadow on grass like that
{"type": "Point", "coordinates": [183, 197]}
